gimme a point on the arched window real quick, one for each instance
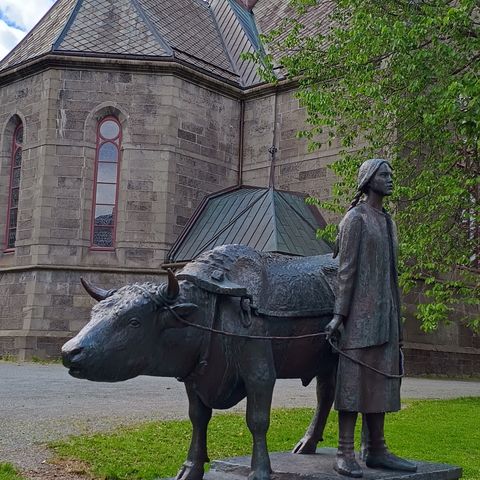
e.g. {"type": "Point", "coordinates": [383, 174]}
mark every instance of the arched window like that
{"type": "Point", "coordinates": [105, 194]}
{"type": "Point", "coordinates": [14, 189]}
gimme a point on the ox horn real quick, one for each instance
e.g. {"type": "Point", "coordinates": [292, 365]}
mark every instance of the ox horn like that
{"type": "Point", "coordinates": [173, 288]}
{"type": "Point", "coordinates": [97, 293]}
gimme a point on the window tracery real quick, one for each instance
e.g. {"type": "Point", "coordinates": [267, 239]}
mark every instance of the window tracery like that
{"type": "Point", "coordinates": [105, 195]}
{"type": "Point", "coordinates": [14, 188]}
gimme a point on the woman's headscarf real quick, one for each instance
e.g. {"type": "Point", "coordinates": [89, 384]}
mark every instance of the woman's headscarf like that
{"type": "Point", "coordinates": [367, 171]}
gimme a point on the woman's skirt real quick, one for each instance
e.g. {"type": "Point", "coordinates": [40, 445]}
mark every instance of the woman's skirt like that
{"type": "Point", "coordinates": [360, 389]}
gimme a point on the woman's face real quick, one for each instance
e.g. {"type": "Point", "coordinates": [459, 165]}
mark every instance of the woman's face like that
{"type": "Point", "coordinates": [382, 181]}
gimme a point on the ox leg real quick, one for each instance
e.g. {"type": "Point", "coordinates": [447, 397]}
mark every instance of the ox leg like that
{"type": "Point", "coordinates": [259, 378]}
{"type": "Point", "coordinates": [325, 397]}
{"type": "Point", "coordinates": [200, 414]}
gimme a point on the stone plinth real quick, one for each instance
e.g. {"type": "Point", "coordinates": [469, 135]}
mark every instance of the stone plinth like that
{"type": "Point", "coordinates": [287, 466]}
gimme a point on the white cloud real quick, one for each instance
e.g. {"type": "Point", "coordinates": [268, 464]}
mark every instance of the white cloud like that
{"type": "Point", "coordinates": [18, 17]}
{"type": "Point", "coordinates": [9, 37]}
{"type": "Point", "coordinates": [25, 13]}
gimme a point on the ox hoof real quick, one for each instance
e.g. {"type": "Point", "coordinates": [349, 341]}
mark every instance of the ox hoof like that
{"type": "Point", "coordinates": [190, 471]}
{"type": "Point", "coordinates": [306, 446]}
{"type": "Point", "coordinates": [257, 475]}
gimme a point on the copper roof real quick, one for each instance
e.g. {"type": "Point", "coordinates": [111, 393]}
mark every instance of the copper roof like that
{"type": "Point", "coordinates": [266, 219]}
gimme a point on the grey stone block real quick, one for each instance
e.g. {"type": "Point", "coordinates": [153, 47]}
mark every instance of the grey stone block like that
{"type": "Point", "coordinates": [288, 466]}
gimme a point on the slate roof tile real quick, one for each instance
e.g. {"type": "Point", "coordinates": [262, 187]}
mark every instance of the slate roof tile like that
{"type": "Point", "coordinates": [184, 29]}
{"type": "Point", "coordinates": [189, 26]}
{"type": "Point", "coordinates": [236, 36]}
{"type": "Point", "coordinates": [269, 15]}
{"type": "Point", "coordinates": [208, 37]}
{"type": "Point", "coordinates": [40, 40]}
{"type": "Point", "coordinates": [112, 27]}
{"type": "Point", "coordinates": [198, 62]}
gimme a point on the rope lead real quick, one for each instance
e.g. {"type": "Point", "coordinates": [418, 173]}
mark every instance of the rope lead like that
{"type": "Point", "coordinates": [269, 337]}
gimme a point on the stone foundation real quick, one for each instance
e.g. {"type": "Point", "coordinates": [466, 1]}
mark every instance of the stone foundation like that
{"type": "Point", "coordinates": [428, 361]}
{"type": "Point", "coordinates": [288, 466]}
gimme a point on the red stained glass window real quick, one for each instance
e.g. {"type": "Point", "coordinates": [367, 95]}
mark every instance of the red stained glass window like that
{"type": "Point", "coordinates": [105, 194]}
{"type": "Point", "coordinates": [14, 190]}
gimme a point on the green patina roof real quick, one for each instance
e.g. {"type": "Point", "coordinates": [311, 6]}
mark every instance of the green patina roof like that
{"type": "Point", "coordinates": [266, 219]}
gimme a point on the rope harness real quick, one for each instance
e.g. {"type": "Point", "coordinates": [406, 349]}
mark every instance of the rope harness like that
{"type": "Point", "coordinates": [363, 364]}
{"type": "Point", "coordinates": [294, 337]}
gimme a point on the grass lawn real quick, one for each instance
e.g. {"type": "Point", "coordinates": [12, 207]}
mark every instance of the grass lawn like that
{"type": "Point", "coordinates": [8, 472]}
{"type": "Point", "coordinates": [445, 431]}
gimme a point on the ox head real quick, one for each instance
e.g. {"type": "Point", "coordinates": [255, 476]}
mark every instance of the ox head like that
{"type": "Point", "coordinates": [121, 338]}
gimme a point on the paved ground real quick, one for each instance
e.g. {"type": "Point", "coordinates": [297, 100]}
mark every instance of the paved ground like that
{"type": "Point", "coordinates": [39, 403]}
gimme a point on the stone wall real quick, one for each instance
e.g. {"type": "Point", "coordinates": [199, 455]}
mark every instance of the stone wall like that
{"type": "Point", "coordinates": [25, 101]}
{"type": "Point", "coordinates": [180, 143]}
{"type": "Point", "coordinates": [208, 151]}
{"type": "Point", "coordinates": [168, 124]}
{"type": "Point", "coordinates": [274, 120]}
{"type": "Point", "coordinates": [434, 361]}
{"type": "Point", "coordinates": [452, 349]}
{"type": "Point", "coordinates": [44, 308]}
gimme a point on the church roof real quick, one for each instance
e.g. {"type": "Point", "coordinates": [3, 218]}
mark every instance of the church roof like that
{"type": "Point", "coordinates": [266, 219]}
{"type": "Point", "coordinates": [209, 37]}
{"type": "Point", "coordinates": [271, 13]}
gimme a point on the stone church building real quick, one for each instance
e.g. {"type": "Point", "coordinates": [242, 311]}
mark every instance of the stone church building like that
{"type": "Point", "coordinates": [117, 118]}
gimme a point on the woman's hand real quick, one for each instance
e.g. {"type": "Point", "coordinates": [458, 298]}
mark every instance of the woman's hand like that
{"type": "Point", "coordinates": [332, 327]}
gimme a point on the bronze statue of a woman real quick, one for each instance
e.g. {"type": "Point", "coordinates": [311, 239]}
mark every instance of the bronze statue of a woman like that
{"type": "Point", "coordinates": [367, 311]}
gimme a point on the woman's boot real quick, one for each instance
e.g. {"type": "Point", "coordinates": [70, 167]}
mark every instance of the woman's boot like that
{"type": "Point", "coordinates": [378, 455]}
{"type": "Point", "coordinates": [345, 463]}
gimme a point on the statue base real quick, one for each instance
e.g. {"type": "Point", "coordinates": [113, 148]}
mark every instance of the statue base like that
{"type": "Point", "coordinates": [289, 466]}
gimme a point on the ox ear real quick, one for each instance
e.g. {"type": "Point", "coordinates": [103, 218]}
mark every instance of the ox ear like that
{"type": "Point", "coordinates": [185, 309]}
{"type": "Point", "coordinates": [97, 293]}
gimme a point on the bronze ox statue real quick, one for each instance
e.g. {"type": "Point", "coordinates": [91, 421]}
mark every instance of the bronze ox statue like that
{"type": "Point", "coordinates": [228, 325]}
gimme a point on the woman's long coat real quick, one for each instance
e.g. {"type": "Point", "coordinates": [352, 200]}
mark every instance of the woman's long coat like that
{"type": "Point", "coordinates": [368, 298]}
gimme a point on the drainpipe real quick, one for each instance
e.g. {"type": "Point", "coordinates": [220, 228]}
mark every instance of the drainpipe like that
{"type": "Point", "coordinates": [241, 142]}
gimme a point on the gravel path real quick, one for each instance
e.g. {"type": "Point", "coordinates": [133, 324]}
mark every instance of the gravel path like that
{"type": "Point", "coordinates": [40, 403]}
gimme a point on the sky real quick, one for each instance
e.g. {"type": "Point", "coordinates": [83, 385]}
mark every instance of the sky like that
{"type": "Point", "coordinates": [17, 17]}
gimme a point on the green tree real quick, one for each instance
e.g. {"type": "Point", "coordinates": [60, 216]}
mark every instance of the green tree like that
{"type": "Point", "coordinates": [401, 79]}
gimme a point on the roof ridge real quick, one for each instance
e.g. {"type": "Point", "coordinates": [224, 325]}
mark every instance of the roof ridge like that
{"type": "Point", "coordinates": [254, 36]}
{"type": "Point", "coordinates": [291, 207]}
{"type": "Point", "coordinates": [67, 25]}
{"type": "Point", "coordinates": [227, 50]}
{"type": "Point", "coordinates": [112, 27]}
{"type": "Point", "coordinates": [239, 35]}
{"type": "Point", "coordinates": [274, 217]}
{"type": "Point", "coordinates": [206, 62]}
{"type": "Point", "coordinates": [152, 28]}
